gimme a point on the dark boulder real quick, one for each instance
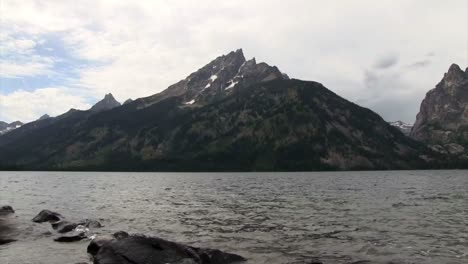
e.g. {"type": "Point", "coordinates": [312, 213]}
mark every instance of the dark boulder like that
{"type": "Point", "coordinates": [72, 237]}
{"type": "Point", "coordinates": [99, 241]}
{"type": "Point", "coordinates": [6, 209]}
{"type": "Point", "coordinates": [137, 249]}
{"type": "Point", "coordinates": [64, 226]}
{"type": "Point", "coordinates": [89, 223]}
{"type": "Point", "coordinates": [7, 226]}
{"type": "Point", "coordinates": [47, 216]}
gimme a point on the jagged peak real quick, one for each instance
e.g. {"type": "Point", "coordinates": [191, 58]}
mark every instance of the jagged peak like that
{"type": "Point", "coordinates": [109, 96]}
{"type": "Point", "coordinates": [44, 116]}
{"type": "Point", "coordinates": [108, 102]}
{"type": "Point", "coordinates": [454, 72]}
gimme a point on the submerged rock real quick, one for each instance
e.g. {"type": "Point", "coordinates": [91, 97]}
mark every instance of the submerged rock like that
{"type": "Point", "coordinates": [6, 209]}
{"type": "Point", "coordinates": [64, 226]}
{"type": "Point", "coordinates": [135, 249]}
{"type": "Point", "coordinates": [72, 237]}
{"type": "Point", "coordinates": [90, 223]}
{"type": "Point", "coordinates": [47, 216]}
{"type": "Point", "coordinates": [7, 227]}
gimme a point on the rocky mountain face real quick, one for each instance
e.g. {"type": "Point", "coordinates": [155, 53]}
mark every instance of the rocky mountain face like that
{"type": "Point", "coordinates": [442, 121]}
{"type": "Point", "coordinates": [107, 103]}
{"type": "Point", "coordinates": [8, 127]}
{"type": "Point", "coordinates": [402, 126]}
{"type": "Point", "coordinates": [230, 115]}
{"type": "Point", "coordinates": [216, 80]}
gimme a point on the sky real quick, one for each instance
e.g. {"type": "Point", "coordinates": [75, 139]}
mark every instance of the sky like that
{"type": "Point", "coordinates": [383, 55]}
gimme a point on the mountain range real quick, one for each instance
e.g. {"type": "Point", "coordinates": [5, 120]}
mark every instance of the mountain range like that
{"type": "Point", "coordinates": [232, 114]}
{"type": "Point", "coordinates": [7, 127]}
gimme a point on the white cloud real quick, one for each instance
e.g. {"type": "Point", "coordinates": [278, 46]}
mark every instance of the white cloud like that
{"type": "Point", "coordinates": [28, 106]}
{"type": "Point", "coordinates": [11, 69]}
{"type": "Point", "coordinates": [18, 57]}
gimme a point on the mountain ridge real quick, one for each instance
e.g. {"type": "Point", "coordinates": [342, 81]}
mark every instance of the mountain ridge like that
{"type": "Point", "coordinates": [230, 115]}
{"type": "Point", "coordinates": [442, 121]}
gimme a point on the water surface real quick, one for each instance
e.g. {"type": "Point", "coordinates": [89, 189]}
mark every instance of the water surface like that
{"type": "Point", "coordinates": [334, 217]}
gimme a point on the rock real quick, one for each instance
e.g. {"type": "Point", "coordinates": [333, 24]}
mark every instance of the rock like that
{"type": "Point", "coordinates": [99, 241]}
{"type": "Point", "coordinates": [90, 223]}
{"type": "Point", "coordinates": [443, 116]}
{"type": "Point", "coordinates": [6, 209]}
{"type": "Point", "coordinates": [138, 249]}
{"type": "Point", "coordinates": [453, 148]}
{"type": "Point", "coordinates": [7, 226]}
{"type": "Point", "coordinates": [64, 226]}
{"type": "Point", "coordinates": [47, 216]}
{"type": "Point", "coordinates": [121, 235]}
{"type": "Point", "coordinates": [72, 237]}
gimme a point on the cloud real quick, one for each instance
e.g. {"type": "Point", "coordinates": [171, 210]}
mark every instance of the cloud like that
{"type": "Point", "coordinates": [28, 106]}
{"type": "Point", "coordinates": [420, 64]}
{"type": "Point", "coordinates": [37, 66]}
{"type": "Point", "coordinates": [386, 61]}
{"type": "Point", "coordinates": [139, 48]}
{"type": "Point", "coordinates": [18, 57]}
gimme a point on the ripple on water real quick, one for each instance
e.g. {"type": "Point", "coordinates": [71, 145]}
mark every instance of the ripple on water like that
{"type": "Point", "coordinates": [342, 217]}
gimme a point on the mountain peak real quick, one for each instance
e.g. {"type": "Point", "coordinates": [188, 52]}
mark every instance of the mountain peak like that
{"type": "Point", "coordinates": [107, 103]}
{"type": "Point", "coordinates": [109, 96]}
{"type": "Point", "coordinates": [445, 106]}
{"type": "Point", "coordinates": [129, 100]}
{"type": "Point", "coordinates": [217, 79]}
{"type": "Point", "coordinates": [454, 73]}
{"type": "Point", "coordinates": [44, 116]}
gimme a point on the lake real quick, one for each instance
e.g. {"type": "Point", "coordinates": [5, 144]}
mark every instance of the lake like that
{"type": "Point", "coordinates": [334, 217]}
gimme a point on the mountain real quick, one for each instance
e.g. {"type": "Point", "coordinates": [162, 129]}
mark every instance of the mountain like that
{"type": "Point", "coordinates": [442, 121]}
{"type": "Point", "coordinates": [216, 80]}
{"type": "Point", "coordinates": [44, 116]}
{"type": "Point", "coordinates": [230, 115]}
{"type": "Point", "coordinates": [129, 100]}
{"type": "Point", "coordinates": [107, 103]}
{"type": "Point", "coordinates": [8, 127]}
{"type": "Point", "coordinates": [402, 126]}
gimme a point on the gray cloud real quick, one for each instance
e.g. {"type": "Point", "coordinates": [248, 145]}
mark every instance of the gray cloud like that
{"type": "Point", "coordinates": [420, 64]}
{"type": "Point", "coordinates": [387, 61]}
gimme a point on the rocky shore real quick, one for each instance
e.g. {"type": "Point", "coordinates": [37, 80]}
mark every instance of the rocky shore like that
{"type": "Point", "coordinates": [120, 247]}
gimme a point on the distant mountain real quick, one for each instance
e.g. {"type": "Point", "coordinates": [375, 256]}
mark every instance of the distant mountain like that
{"type": "Point", "coordinates": [230, 115]}
{"type": "Point", "coordinates": [128, 101]}
{"type": "Point", "coordinates": [8, 127]}
{"type": "Point", "coordinates": [107, 103]}
{"type": "Point", "coordinates": [45, 116]}
{"type": "Point", "coordinates": [404, 127]}
{"type": "Point", "coordinates": [442, 121]}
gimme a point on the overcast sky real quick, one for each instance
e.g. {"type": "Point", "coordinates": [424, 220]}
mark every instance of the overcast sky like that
{"type": "Point", "coordinates": [384, 55]}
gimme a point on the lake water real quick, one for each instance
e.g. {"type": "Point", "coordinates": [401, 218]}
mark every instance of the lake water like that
{"type": "Point", "coordinates": [334, 217]}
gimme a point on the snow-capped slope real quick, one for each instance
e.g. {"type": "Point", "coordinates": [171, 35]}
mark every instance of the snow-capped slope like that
{"type": "Point", "coordinates": [404, 127]}
{"type": "Point", "coordinates": [5, 127]}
